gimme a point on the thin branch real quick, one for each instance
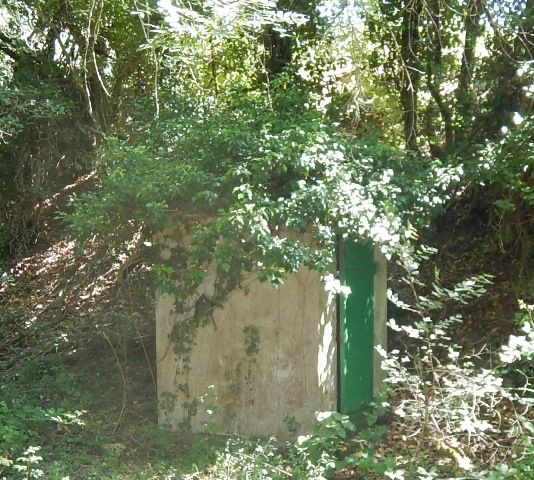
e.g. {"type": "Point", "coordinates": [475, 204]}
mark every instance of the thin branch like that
{"type": "Point", "coordinates": [124, 383]}
{"type": "Point", "coordinates": [146, 33]}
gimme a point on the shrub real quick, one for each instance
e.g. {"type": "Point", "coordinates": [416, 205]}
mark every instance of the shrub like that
{"type": "Point", "coordinates": [451, 401]}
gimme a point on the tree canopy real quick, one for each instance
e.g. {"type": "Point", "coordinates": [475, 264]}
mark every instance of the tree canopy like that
{"type": "Point", "coordinates": [238, 118]}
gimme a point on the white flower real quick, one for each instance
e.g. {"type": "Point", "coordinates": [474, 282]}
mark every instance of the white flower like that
{"type": "Point", "coordinates": [517, 118]}
{"type": "Point", "coordinates": [464, 462]}
{"type": "Point", "coordinates": [397, 475]}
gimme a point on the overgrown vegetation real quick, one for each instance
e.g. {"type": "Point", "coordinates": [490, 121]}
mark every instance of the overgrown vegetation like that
{"type": "Point", "coordinates": [389, 121]}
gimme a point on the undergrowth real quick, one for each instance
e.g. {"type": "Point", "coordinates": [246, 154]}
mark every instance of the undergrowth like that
{"type": "Point", "coordinates": [91, 413]}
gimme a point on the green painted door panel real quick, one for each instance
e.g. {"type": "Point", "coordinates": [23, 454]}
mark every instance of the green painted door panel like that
{"type": "Point", "coordinates": [356, 334]}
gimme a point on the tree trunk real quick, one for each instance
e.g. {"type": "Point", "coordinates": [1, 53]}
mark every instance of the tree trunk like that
{"type": "Point", "coordinates": [411, 70]}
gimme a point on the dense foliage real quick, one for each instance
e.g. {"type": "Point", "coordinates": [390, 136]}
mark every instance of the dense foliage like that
{"type": "Point", "coordinates": [242, 123]}
{"type": "Point", "coordinates": [247, 110]}
{"type": "Point", "coordinates": [266, 115]}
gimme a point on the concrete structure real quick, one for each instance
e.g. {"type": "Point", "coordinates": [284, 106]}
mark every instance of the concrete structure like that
{"type": "Point", "coordinates": [267, 360]}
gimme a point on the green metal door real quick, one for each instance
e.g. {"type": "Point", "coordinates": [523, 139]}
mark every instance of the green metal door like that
{"type": "Point", "coordinates": [356, 332]}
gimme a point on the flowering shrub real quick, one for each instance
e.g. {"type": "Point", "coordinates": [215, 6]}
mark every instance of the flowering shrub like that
{"type": "Point", "coordinates": [450, 400]}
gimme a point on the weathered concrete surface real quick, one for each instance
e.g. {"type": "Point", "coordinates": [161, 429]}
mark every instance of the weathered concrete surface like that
{"type": "Point", "coordinates": [288, 372]}
{"type": "Point", "coordinates": [380, 314]}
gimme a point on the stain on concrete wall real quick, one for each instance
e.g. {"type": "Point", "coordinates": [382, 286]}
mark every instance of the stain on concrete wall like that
{"type": "Point", "coordinates": [267, 360]}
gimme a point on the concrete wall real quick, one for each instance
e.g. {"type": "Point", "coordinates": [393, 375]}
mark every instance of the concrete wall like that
{"type": "Point", "coordinates": [380, 313]}
{"type": "Point", "coordinates": [288, 372]}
